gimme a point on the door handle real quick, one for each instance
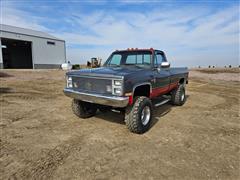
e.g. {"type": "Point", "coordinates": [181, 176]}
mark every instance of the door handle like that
{"type": "Point", "coordinates": [153, 78]}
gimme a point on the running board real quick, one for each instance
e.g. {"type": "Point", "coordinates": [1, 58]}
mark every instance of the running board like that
{"type": "Point", "coordinates": [162, 102]}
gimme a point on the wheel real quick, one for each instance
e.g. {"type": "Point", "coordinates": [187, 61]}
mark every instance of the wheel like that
{"type": "Point", "coordinates": [178, 95]}
{"type": "Point", "coordinates": [83, 109]}
{"type": "Point", "coordinates": [138, 116]}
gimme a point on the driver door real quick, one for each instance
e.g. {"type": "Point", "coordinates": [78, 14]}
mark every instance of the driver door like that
{"type": "Point", "coordinates": [161, 75]}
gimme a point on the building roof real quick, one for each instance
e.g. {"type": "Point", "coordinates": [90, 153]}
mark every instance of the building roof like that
{"type": "Point", "coordinates": [28, 32]}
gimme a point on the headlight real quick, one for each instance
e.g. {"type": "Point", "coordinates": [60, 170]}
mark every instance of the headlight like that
{"type": "Point", "coordinates": [117, 83]}
{"type": "Point", "coordinates": [117, 86]}
{"type": "Point", "coordinates": [69, 82]}
{"type": "Point", "coordinates": [117, 91]}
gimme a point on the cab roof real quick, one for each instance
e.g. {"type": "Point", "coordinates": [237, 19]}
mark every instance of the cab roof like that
{"type": "Point", "coordinates": [137, 49]}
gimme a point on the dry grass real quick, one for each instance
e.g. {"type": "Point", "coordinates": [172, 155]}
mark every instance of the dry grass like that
{"type": "Point", "coordinates": [218, 70]}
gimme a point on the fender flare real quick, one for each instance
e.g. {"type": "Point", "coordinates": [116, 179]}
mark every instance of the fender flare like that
{"type": "Point", "coordinates": [141, 84]}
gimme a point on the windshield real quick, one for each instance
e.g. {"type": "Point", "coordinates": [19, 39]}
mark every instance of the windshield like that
{"type": "Point", "coordinates": [128, 58]}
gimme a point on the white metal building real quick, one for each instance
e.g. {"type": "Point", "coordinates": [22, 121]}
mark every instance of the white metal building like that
{"type": "Point", "coordinates": [30, 49]}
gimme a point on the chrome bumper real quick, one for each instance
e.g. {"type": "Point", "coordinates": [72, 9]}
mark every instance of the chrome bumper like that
{"type": "Point", "coordinates": [113, 101]}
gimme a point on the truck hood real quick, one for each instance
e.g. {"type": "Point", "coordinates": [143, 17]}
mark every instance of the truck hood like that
{"type": "Point", "coordinates": [111, 72]}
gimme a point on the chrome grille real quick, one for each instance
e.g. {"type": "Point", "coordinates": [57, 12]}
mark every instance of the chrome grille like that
{"type": "Point", "coordinates": [94, 85]}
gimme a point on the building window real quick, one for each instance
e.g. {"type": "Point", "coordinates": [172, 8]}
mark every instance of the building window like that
{"type": "Point", "coordinates": [50, 43]}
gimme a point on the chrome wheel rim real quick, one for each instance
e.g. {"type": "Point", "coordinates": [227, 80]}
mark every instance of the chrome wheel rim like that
{"type": "Point", "coordinates": [145, 116]}
{"type": "Point", "coordinates": [182, 96]}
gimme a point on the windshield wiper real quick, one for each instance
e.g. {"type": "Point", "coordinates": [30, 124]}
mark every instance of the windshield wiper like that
{"type": "Point", "coordinates": [113, 65]}
{"type": "Point", "coordinates": [135, 65]}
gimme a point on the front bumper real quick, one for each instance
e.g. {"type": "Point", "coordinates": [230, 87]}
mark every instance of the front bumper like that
{"type": "Point", "coordinates": [113, 101]}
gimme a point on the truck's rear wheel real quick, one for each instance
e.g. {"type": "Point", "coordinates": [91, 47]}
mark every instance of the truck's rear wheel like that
{"type": "Point", "coordinates": [138, 117]}
{"type": "Point", "coordinates": [178, 95]}
{"type": "Point", "coordinates": [83, 109]}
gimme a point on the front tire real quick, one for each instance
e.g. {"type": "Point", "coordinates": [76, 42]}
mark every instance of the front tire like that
{"type": "Point", "coordinates": [138, 117]}
{"type": "Point", "coordinates": [83, 109]}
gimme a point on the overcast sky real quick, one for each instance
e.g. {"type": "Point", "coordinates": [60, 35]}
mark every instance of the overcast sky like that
{"type": "Point", "coordinates": [191, 33]}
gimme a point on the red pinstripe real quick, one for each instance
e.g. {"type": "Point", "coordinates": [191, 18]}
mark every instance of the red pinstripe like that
{"type": "Point", "coordinates": [163, 90]}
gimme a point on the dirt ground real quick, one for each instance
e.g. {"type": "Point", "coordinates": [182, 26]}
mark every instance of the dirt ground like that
{"type": "Point", "coordinates": [42, 139]}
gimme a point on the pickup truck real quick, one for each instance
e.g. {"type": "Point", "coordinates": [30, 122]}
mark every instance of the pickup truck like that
{"type": "Point", "coordinates": [129, 81]}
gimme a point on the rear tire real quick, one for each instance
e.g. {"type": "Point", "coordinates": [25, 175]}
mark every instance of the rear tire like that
{"type": "Point", "coordinates": [178, 96]}
{"type": "Point", "coordinates": [138, 116]}
{"type": "Point", "coordinates": [83, 109]}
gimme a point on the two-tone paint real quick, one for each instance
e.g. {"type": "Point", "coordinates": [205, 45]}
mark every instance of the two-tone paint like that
{"type": "Point", "coordinates": [161, 80]}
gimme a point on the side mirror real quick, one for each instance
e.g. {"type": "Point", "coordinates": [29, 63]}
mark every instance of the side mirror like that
{"type": "Point", "coordinates": [165, 65]}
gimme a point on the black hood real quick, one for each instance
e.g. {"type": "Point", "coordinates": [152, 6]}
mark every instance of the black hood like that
{"type": "Point", "coordinates": [107, 71]}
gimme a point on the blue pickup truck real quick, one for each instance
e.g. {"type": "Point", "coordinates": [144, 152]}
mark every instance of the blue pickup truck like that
{"type": "Point", "coordinates": [129, 81]}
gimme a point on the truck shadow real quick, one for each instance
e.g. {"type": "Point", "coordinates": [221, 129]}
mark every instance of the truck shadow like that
{"type": "Point", "coordinates": [111, 116]}
{"type": "Point", "coordinates": [118, 118]}
{"type": "Point", "coordinates": [159, 112]}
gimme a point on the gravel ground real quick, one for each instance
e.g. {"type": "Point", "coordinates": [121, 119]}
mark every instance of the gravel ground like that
{"type": "Point", "coordinates": [42, 139]}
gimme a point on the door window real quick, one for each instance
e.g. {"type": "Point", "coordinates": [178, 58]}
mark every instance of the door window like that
{"type": "Point", "coordinates": [159, 59]}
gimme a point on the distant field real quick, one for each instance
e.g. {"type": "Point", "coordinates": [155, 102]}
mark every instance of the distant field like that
{"type": "Point", "coordinates": [224, 74]}
{"type": "Point", "coordinates": [217, 70]}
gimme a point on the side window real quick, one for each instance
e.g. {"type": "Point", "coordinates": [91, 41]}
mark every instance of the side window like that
{"type": "Point", "coordinates": [116, 59]}
{"type": "Point", "coordinates": [159, 59]}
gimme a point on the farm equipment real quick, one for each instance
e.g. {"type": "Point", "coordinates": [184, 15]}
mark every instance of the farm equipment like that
{"type": "Point", "coordinates": [94, 63]}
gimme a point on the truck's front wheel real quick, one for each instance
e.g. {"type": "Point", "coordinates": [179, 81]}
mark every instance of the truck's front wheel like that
{"type": "Point", "coordinates": [83, 109]}
{"type": "Point", "coordinates": [138, 117]}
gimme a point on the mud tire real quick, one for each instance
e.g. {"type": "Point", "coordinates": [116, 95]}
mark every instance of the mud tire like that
{"type": "Point", "coordinates": [133, 115]}
{"type": "Point", "coordinates": [83, 109]}
{"type": "Point", "coordinates": [178, 96]}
